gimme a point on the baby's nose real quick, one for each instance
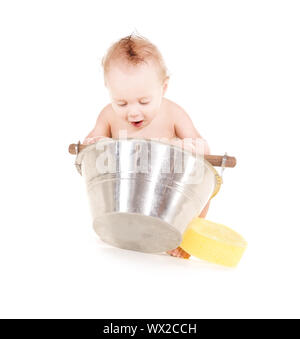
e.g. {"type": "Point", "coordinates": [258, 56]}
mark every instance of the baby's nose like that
{"type": "Point", "coordinates": [133, 114]}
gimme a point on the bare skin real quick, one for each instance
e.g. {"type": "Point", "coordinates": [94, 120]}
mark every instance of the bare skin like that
{"type": "Point", "coordinates": [139, 109]}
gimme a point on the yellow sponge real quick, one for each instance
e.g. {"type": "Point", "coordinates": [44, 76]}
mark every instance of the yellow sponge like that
{"type": "Point", "coordinates": [213, 242]}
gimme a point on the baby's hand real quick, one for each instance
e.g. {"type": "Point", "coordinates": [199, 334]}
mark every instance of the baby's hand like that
{"type": "Point", "coordinates": [189, 144]}
{"type": "Point", "coordinates": [92, 140]}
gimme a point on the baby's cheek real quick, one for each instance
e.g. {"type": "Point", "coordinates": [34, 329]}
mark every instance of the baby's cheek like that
{"type": "Point", "coordinates": [121, 113]}
{"type": "Point", "coordinates": [118, 110]}
{"type": "Point", "coordinates": [153, 110]}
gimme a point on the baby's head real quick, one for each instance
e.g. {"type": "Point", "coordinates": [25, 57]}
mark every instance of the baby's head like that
{"type": "Point", "coordinates": [136, 78]}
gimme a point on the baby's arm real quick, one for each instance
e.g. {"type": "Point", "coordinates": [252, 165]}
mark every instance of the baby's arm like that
{"type": "Point", "coordinates": [101, 129]}
{"type": "Point", "coordinates": [184, 128]}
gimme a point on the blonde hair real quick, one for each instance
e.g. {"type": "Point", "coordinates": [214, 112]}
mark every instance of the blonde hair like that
{"type": "Point", "coordinates": [134, 50]}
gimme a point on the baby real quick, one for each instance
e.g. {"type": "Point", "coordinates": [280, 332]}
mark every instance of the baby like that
{"type": "Point", "coordinates": [136, 78]}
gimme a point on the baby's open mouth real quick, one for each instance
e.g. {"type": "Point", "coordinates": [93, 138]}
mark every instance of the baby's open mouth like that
{"type": "Point", "coordinates": [137, 123]}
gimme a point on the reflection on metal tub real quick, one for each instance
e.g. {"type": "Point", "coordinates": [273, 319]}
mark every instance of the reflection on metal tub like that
{"type": "Point", "coordinates": [144, 193]}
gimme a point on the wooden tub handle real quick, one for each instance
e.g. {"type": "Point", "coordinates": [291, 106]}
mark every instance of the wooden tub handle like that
{"type": "Point", "coordinates": [215, 160]}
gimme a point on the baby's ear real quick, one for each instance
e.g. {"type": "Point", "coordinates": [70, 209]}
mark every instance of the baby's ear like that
{"type": "Point", "coordinates": [165, 85]}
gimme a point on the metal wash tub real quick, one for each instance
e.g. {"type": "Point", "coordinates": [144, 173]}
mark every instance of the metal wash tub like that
{"type": "Point", "coordinates": [144, 193]}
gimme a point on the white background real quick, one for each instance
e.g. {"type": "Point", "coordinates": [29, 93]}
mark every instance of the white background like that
{"type": "Point", "coordinates": [235, 69]}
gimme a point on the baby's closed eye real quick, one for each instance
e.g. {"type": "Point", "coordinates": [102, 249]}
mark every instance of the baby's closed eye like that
{"type": "Point", "coordinates": [123, 104]}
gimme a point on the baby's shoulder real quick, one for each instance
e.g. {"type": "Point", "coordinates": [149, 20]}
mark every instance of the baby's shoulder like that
{"type": "Point", "coordinates": [106, 113]}
{"type": "Point", "coordinates": [173, 109]}
{"type": "Point", "coordinates": [107, 110]}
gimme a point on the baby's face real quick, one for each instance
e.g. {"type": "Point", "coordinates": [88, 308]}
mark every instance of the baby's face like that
{"type": "Point", "coordinates": [136, 92]}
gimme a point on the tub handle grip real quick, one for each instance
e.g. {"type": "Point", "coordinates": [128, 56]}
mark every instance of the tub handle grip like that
{"type": "Point", "coordinates": [215, 160]}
